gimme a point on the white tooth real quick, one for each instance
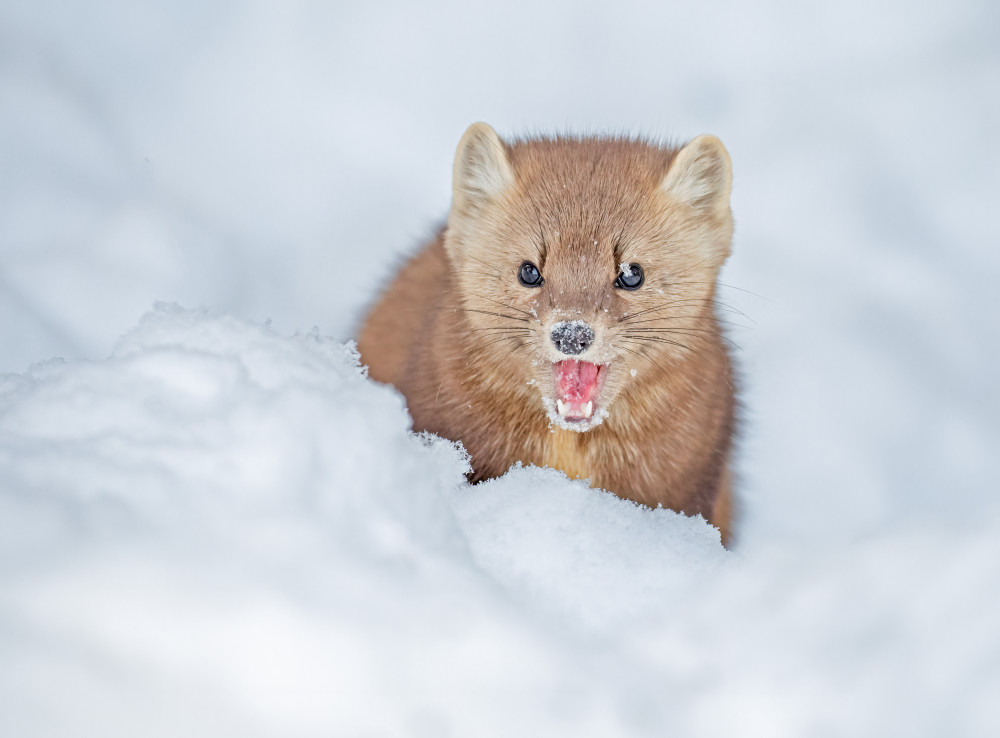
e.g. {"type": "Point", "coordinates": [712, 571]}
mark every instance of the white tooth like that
{"type": "Point", "coordinates": [561, 408]}
{"type": "Point", "coordinates": [588, 409]}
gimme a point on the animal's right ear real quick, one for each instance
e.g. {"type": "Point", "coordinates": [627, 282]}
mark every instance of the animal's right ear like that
{"type": "Point", "coordinates": [701, 176]}
{"type": "Point", "coordinates": [482, 171]}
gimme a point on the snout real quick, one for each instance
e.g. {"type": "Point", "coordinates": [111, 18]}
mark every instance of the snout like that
{"type": "Point", "coordinates": [572, 337]}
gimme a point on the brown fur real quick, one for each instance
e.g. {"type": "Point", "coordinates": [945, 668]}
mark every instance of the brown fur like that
{"type": "Point", "coordinates": [468, 345]}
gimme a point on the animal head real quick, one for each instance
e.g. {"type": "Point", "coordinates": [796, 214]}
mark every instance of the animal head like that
{"type": "Point", "coordinates": [584, 264]}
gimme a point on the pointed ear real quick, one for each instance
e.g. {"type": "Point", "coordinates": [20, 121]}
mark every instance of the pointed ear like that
{"type": "Point", "coordinates": [482, 171]}
{"type": "Point", "coordinates": [701, 176]}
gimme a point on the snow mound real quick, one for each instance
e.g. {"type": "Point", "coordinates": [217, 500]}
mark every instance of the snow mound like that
{"type": "Point", "coordinates": [199, 418]}
{"type": "Point", "coordinates": [223, 531]}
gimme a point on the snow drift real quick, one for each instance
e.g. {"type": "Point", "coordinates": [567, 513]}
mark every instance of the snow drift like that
{"type": "Point", "coordinates": [223, 531]}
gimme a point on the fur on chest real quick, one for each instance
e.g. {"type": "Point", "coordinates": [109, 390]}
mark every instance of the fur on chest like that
{"type": "Point", "coordinates": [567, 451]}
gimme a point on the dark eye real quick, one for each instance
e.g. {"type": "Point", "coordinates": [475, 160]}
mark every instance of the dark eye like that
{"type": "Point", "coordinates": [630, 278]}
{"type": "Point", "coordinates": [529, 275]}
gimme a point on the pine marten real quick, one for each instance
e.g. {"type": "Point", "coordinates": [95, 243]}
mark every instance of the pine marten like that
{"type": "Point", "coordinates": [565, 317]}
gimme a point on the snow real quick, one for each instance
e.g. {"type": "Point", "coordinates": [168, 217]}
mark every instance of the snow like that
{"type": "Point", "coordinates": [212, 523]}
{"type": "Point", "coordinates": [238, 528]}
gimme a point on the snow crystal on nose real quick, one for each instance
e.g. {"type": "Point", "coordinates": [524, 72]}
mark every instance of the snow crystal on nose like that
{"type": "Point", "coordinates": [572, 336]}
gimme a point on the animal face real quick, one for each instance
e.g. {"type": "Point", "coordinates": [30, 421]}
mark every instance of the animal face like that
{"type": "Point", "coordinates": [583, 265]}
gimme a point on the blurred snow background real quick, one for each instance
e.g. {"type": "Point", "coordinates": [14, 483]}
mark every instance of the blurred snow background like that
{"type": "Point", "coordinates": [220, 530]}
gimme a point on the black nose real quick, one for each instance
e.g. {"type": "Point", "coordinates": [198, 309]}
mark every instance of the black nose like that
{"type": "Point", "coordinates": [572, 336]}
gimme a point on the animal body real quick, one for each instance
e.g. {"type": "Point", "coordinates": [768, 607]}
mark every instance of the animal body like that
{"type": "Point", "coordinates": [565, 317]}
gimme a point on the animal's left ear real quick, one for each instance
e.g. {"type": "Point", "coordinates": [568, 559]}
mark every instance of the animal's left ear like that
{"type": "Point", "coordinates": [701, 176]}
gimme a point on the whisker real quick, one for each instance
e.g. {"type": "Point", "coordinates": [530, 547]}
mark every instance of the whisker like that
{"type": "Point", "coordinates": [634, 353]}
{"type": "Point", "coordinates": [665, 305]}
{"type": "Point", "coordinates": [671, 316]}
{"type": "Point", "coordinates": [502, 304]}
{"type": "Point", "coordinates": [722, 284]}
{"type": "Point", "coordinates": [688, 303]}
{"type": "Point", "coordinates": [693, 332]}
{"type": "Point", "coordinates": [656, 339]}
{"type": "Point", "coordinates": [731, 309]}
{"type": "Point", "coordinates": [502, 338]}
{"type": "Point", "coordinates": [484, 263]}
{"type": "Point", "coordinates": [686, 329]}
{"type": "Point", "coordinates": [482, 274]}
{"type": "Point", "coordinates": [499, 315]}
{"type": "Point", "coordinates": [682, 317]}
{"type": "Point", "coordinates": [517, 328]}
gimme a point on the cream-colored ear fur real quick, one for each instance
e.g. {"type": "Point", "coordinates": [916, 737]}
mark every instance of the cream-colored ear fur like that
{"type": "Point", "coordinates": [482, 171]}
{"type": "Point", "coordinates": [480, 176]}
{"type": "Point", "coordinates": [701, 176]}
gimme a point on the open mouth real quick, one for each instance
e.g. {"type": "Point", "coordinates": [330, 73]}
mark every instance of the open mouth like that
{"type": "Point", "coordinates": [578, 384]}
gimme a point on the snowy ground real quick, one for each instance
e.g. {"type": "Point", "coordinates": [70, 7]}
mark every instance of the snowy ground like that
{"type": "Point", "coordinates": [215, 525]}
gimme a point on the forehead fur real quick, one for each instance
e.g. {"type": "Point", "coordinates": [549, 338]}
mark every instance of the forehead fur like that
{"type": "Point", "coordinates": [578, 159]}
{"type": "Point", "coordinates": [586, 189]}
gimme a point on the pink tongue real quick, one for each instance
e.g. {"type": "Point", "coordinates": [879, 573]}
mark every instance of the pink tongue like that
{"type": "Point", "coordinates": [576, 381]}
